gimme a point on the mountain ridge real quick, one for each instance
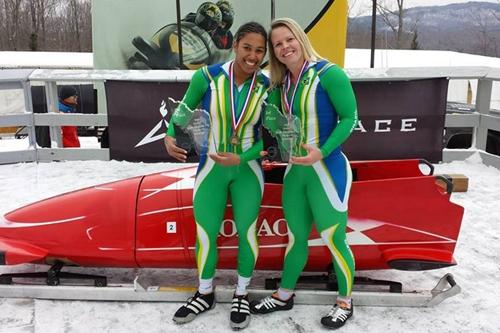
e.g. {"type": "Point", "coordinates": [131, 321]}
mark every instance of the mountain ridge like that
{"type": "Point", "coordinates": [472, 27]}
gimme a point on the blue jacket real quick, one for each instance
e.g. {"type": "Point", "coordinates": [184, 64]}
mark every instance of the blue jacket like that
{"type": "Point", "coordinates": [66, 108]}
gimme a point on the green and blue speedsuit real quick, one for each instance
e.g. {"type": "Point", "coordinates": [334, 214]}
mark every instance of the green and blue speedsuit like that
{"type": "Point", "coordinates": [244, 183]}
{"type": "Point", "coordinates": [326, 106]}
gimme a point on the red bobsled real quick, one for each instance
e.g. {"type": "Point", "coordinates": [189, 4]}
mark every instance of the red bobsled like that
{"type": "Point", "coordinates": [398, 218]}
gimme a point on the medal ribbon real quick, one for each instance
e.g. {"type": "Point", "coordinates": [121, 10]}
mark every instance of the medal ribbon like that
{"type": "Point", "coordinates": [236, 121]}
{"type": "Point", "coordinates": [286, 88]}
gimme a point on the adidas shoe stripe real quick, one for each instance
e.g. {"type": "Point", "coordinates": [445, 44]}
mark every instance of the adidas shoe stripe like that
{"type": "Point", "coordinates": [271, 304]}
{"type": "Point", "coordinates": [240, 312]}
{"type": "Point", "coordinates": [193, 308]}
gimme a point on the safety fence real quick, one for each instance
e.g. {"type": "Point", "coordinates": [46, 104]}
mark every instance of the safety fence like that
{"type": "Point", "coordinates": [482, 120]}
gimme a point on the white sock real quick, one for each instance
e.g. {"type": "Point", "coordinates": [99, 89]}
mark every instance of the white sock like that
{"type": "Point", "coordinates": [205, 286]}
{"type": "Point", "coordinates": [344, 299]}
{"type": "Point", "coordinates": [284, 294]}
{"type": "Point", "coordinates": [241, 287]}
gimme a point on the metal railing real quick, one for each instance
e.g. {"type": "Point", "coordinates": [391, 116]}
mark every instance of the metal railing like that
{"type": "Point", "coordinates": [481, 121]}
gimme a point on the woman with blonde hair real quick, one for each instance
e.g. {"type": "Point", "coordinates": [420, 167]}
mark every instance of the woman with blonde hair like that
{"type": "Point", "coordinates": [318, 178]}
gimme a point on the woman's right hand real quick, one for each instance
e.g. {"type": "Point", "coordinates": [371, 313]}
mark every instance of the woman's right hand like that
{"type": "Point", "coordinates": [174, 151]}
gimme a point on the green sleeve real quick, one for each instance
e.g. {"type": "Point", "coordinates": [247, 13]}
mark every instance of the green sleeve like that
{"type": "Point", "coordinates": [197, 88]}
{"type": "Point", "coordinates": [338, 87]}
{"type": "Point", "coordinates": [253, 153]}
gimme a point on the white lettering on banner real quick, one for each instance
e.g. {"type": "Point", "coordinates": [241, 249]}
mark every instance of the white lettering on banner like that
{"type": "Point", "coordinates": [385, 128]}
{"type": "Point", "coordinates": [360, 127]}
{"type": "Point", "coordinates": [384, 125]}
{"type": "Point", "coordinates": [408, 125]}
{"type": "Point", "coordinates": [228, 228]}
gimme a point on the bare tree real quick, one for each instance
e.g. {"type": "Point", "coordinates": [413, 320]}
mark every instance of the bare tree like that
{"type": "Point", "coordinates": [51, 25]}
{"type": "Point", "coordinates": [356, 8]}
{"type": "Point", "coordinates": [414, 41]}
{"type": "Point", "coordinates": [485, 37]}
{"type": "Point", "coordinates": [41, 10]}
{"type": "Point", "coordinates": [497, 17]}
{"type": "Point", "coordinates": [357, 37]}
{"type": "Point", "coordinates": [3, 26]}
{"type": "Point", "coordinates": [414, 44]}
{"type": "Point", "coordinates": [12, 10]}
{"type": "Point", "coordinates": [75, 23]}
{"type": "Point", "coordinates": [35, 25]}
{"type": "Point", "coordinates": [393, 18]}
{"type": "Point", "coordinates": [86, 25]}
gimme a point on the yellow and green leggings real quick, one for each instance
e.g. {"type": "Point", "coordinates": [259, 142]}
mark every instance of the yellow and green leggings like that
{"type": "Point", "coordinates": [318, 193]}
{"type": "Point", "coordinates": [214, 184]}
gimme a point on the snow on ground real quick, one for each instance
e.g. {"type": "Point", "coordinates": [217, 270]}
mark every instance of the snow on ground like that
{"type": "Point", "coordinates": [11, 144]}
{"type": "Point", "coordinates": [478, 272]}
{"type": "Point", "coordinates": [66, 60]}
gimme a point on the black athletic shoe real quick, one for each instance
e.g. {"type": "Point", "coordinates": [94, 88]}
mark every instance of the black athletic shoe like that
{"type": "Point", "coordinates": [195, 305]}
{"type": "Point", "coordinates": [337, 317]}
{"type": "Point", "coordinates": [240, 312]}
{"type": "Point", "coordinates": [270, 304]}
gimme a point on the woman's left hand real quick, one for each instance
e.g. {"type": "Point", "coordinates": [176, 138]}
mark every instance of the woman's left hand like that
{"type": "Point", "coordinates": [313, 156]}
{"type": "Point", "coordinates": [226, 159]}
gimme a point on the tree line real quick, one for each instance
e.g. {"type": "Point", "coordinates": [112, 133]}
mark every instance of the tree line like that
{"type": "Point", "coordinates": [480, 33]}
{"type": "Point", "coordinates": [45, 25]}
{"type": "Point", "coordinates": [391, 13]}
{"type": "Point", "coordinates": [66, 25]}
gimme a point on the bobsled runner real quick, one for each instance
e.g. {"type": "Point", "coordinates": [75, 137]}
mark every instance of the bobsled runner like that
{"type": "Point", "coordinates": [399, 218]}
{"type": "Point", "coordinates": [142, 292]}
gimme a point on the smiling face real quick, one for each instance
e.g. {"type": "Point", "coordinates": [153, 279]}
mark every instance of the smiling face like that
{"type": "Point", "coordinates": [286, 47]}
{"type": "Point", "coordinates": [249, 52]}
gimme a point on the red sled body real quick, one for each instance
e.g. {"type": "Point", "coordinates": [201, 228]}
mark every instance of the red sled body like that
{"type": "Point", "coordinates": [398, 218]}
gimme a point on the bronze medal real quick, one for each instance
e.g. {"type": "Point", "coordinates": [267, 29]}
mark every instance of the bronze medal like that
{"type": "Point", "coordinates": [234, 140]}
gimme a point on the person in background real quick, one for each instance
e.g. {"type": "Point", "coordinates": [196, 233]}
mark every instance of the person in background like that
{"type": "Point", "coordinates": [318, 178]}
{"type": "Point", "coordinates": [233, 94]}
{"type": "Point", "coordinates": [68, 100]}
{"type": "Point", "coordinates": [222, 36]}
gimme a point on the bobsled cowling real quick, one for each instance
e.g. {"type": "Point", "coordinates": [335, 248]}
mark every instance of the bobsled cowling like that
{"type": "Point", "coordinates": [399, 218]}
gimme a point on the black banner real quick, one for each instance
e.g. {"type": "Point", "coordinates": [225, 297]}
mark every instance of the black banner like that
{"type": "Point", "coordinates": [397, 119]}
{"type": "Point", "coordinates": [138, 115]}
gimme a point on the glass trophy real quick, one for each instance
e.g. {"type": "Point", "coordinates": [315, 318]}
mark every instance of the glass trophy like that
{"type": "Point", "coordinates": [285, 128]}
{"type": "Point", "coordinates": [195, 123]}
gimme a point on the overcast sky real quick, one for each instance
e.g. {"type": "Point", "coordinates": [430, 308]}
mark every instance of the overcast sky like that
{"type": "Point", "coordinates": [364, 6]}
